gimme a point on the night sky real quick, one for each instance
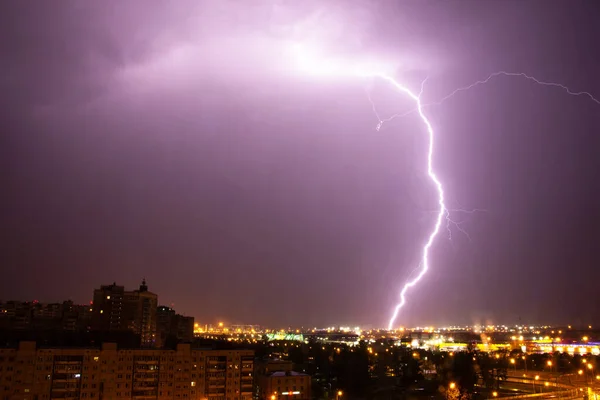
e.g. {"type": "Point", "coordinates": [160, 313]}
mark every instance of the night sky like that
{"type": "Point", "coordinates": [168, 141]}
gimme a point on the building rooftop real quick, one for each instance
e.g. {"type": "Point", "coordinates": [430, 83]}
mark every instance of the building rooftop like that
{"type": "Point", "coordinates": [287, 373]}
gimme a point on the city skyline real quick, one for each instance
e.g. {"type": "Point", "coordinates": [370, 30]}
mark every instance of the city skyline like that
{"type": "Point", "coordinates": [171, 144]}
{"type": "Point", "coordinates": [227, 324]}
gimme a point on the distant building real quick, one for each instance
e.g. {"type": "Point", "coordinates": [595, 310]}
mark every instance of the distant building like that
{"type": "Point", "coordinates": [282, 385]}
{"type": "Point", "coordinates": [31, 373]}
{"type": "Point", "coordinates": [28, 316]}
{"type": "Point", "coordinates": [268, 366]}
{"type": "Point", "coordinates": [172, 326]}
{"type": "Point", "coordinates": [108, 308]}
{"type": "Point", "coordinates": [115, 309]}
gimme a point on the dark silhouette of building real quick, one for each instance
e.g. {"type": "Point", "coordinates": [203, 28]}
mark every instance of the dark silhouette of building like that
{"type": "Point", "coordinates": [26, 315]}
{"type": "Point", "coordinates": [108, 309]}
{"type": "Point", "coordinates": [172, 327]}
{"type": "Point", "coordinates": [116, 309]}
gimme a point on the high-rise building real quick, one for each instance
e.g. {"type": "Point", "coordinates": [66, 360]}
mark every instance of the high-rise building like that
{"type": "Point", "coordinates": [108, 373]}
{"type": "Point", "coordinates": [116, 309]}
{"type": "Point", "coordinates": [107, 310]}
{"type": "Point", "coordinates": [172, 326]}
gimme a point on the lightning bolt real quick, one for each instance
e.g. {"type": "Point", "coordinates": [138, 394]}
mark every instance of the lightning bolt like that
{"type": "Point", "coordinates": [485, 81]}
{"type": "Point", "coordinates": [513, 74]}
{"type": "Point", "coordinates": [442, 210]}
{"type": "Point", "coordinates": [318, 66]}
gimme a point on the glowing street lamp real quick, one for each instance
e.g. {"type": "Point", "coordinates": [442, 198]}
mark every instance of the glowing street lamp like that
{"type": "Point", "coordinates": [451, 386]}
{"type": "Point", "coordinates": [339, 394]}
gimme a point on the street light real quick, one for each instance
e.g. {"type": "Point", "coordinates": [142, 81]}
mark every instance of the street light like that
{"type": "Point", "coordinates": [339, 394]}
{"type": "Point", "coordinates": [495, 394]}
{"type": "Point", "coordinates": [451, 386]}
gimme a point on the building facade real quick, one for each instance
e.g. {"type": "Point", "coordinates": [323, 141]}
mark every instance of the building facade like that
{"type": "Point", "coordinates": [284, 385]}
{"type": "Point", "coordinates": [31, 373]}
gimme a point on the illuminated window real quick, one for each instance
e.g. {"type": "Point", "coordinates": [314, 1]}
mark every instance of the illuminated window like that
{"type": "Point", "coordinates": [101, 311]}
{"type": "Point", "coordinates": [193, 383]}
{"type": "Point", "coordinates": [107, 297]}
{"type": "Point", "coordinates": [96, 358]}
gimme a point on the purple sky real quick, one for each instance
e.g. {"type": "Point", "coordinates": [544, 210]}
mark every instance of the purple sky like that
{"type": "Point", "coordinates": [173, 141]}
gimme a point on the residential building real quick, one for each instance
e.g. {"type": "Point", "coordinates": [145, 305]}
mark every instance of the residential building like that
{"type": "Point", "coordinates": [172, 326]}
{"type": "Point", "coordinates": [116, 309]}
{"type": "Point", "coordinates": [106, 373]}
{"type": "Point", "coordinates": [283, 385]}
{"type": "Point", "coordinates": [33, 315]}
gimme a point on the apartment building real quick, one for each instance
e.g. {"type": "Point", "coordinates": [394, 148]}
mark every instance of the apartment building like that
{"type": "Point", "coordinates": [106, 373]}
{"type": "Point", "coordinates": [282, 385]}
{"type": "Point", "coordinates": [117, 309]}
